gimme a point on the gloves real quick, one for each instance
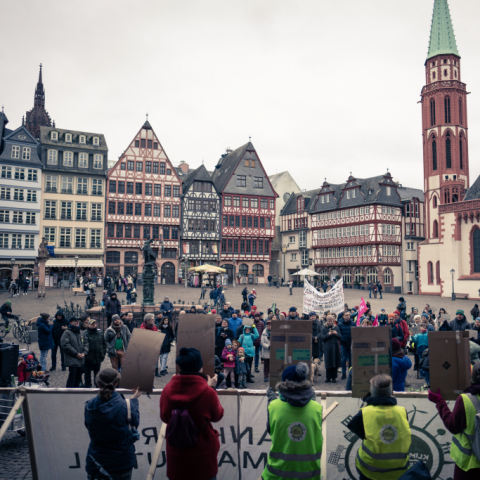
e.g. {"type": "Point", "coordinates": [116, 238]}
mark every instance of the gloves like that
{"type": "Point", "coordinates": [435, 397]}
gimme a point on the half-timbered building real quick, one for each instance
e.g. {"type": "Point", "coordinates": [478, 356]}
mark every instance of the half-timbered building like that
{"type": "Point", "coordinates": [248, 215]}
{"type": "Point", "coordinates": [200, 232]}
{"type": "Point", "coordinates": [143, 201]}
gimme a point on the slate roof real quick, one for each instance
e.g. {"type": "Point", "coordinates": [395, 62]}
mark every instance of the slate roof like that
{"type": "Point", "coordinates": [199, 174]}
{"type": "Point", "coordinates": [291, 205]}
{"type": "Point", "coordinates": [11, 138]}
{"type": "Point", "coordinates": [473, 193]}
{"type": "Point", "coordinates": [442, 38]}
{"type": "Point", "coordinates": [45, 139]}
{"type": "Point", "coordinates": [276, 177]}
{"type": "Point", "coordinates": [226, 166]}
{"type": "Point", "coordinates": [409, 193]}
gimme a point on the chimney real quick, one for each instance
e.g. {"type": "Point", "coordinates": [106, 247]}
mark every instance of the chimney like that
{"type": "Point", "coordinates": [229, 150]}
{"type": "Point", "coordinates": [184, 166]}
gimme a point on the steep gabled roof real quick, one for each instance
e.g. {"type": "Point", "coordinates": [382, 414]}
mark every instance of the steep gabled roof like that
{"type": "Point", "coordinates": [442, 38]}
{"type": "Point", "coordinates": [409, 193]}
{"type": "Point", "coordinates": [291, 205]}
{"type": "Point", "coordinates": [227, 165]}
{"type": "Point", "coordinates": [473, 193]}
{"type": "Point", "coordinates": [200, 174]}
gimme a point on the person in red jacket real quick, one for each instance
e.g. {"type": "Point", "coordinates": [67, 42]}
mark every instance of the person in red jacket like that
{"type": "Point", "coordinates": [406, 331]}
{"type": "Point", "coordinates": [149, 323]}
{"type": "Point", "coordinates": [194, 391]}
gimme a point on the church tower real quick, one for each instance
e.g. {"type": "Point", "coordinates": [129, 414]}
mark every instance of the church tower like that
{"type": "Point", "coordinates": [37, 117]}
{"type": "Point", "coordinates": [444, 122]}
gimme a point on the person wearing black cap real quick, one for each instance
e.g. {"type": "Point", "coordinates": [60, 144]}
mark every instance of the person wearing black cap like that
{"type": "Point", "coordinates": [112, 307]}
{"type": "Point", "coordinates": [193, 391]}
{"type": "Point", "coordinates": [292, 314]}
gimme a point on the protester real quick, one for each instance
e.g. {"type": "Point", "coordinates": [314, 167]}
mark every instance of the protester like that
{"type": "Point", "coordinates": [401, 363]}
{"type": "Point", "coordinates": [229, 356]}
{"type": "Point", "coordinates": [108, 423]}
{"type": "Point", "coordinates": [460, 323]}
{"type": "Point", "coordinates": [260, 325]}
{"type": "Point", "coordinates": [385, 433]}
{"type": "Point", "coordinates": [345, 328]}
{"type": "Point", "coordinates": [317, 326]}
{"type": "Point", "coordinates": [117, 337]}
{"type": "Point", "coordinates": [475, 312]}
{"type": "Point", "coordinates": [128, 321]}
{"type": "Point", "coordinates": [166, 328]}
{"type": "Point", "coordinates": [234, 322]}
{"type": "Point", "coordinates": [247, 340]}
{"type": "Point", "coordinates": [404, 326]}
{"type": "Point", "coordinates": [97, 348]}
{"type": "Point", "coordinates": [421, 340]}
{"type": "Point", "coordinates": [226, 313]}
{"type": "Point", "coordinates": [265, 342]}
{"type": "Point", "coordinates": [292, 314]}
{"type": "Point", "coordinates": [149, 323]}
{"type": "Point", "coordinates": [166, 307]}
{"type": "Point", "coordinates": [45, 339]}
{"type": "Point", "coordinates": [241, 368]}
{"type": "Point", "coordinates": [402, 308]}
{"type": "Point", "coordinates": [461, 423]}
{"type": "Point", "coordinates": [75, 347]}
{"type": "Point", "coordinates": [295, 427]}
{"type": "Point", "coordinates": [60, 324]}
{"type": "Point", "coordinates": [190, 391]}
{"type": "Point", "coordinates": [383, 317]}
{"type": "Point", "coordinates": [251, 297]}
{"type": "Point", "coordinates": [221, 335]}
{"type": "Point", "coordinates": [330, 337]}
{"type": "Point", "coordinates": [112, 307]}
{"type": "Point", "coordinates": [424, 366]}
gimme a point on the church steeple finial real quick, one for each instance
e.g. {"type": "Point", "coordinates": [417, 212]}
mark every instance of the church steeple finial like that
{"type": "Point", "coordinates": [37, 116]}
{"type": "Point", "coordinates": [40, 75]}
{"type": "Point", "coordinates": [442, 38]}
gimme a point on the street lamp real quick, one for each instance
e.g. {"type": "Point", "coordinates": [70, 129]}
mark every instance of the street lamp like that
{"type": "Point", "coordinates": [452, 271]}
{"type": "Point", "coordinates": [298, 269]}
{"type": "Point", "coordinates": [278, 275]}
{"type": "Point", "coordinates": [76, 263]}
{"type": "Point", "coordinates": [12, 261]}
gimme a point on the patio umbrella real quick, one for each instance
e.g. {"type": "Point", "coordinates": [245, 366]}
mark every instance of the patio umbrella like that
{"type": "Point", "coordinates": [306, 271]}
{"type": "Point", "coordinates": [203, 268]}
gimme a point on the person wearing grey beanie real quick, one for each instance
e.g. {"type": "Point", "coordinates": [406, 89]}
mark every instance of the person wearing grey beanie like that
{"type": "Point", "coordinates": [384, 429]}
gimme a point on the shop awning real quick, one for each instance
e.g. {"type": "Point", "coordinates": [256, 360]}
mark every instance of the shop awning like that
{"type": "Point", "coordinates": [90, 262]}
{"type": "Point", "coordinates": [60, 262]}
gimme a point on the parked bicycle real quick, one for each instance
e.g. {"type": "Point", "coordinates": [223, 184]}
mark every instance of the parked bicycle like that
{"type": "Point", "coordinates": [19, 330]}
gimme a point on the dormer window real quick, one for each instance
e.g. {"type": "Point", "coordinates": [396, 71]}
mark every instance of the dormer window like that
{"type": "Point", "coordinates": [68, 137]}
{"type": "Point", "coordinates": [96, 141]}
{"type": "Point", "coordinates": [327, 198]}
{"type": "Point", "coordinates": [82, 139]}
{"type": "Point", "coordinates": [389, 191]}
{"type": "Point", "coordinates": [54, 136]}
{"type": "Point", "coordinates": [15, 151]}
{"type": "Point", "coordinates": [445, 61]}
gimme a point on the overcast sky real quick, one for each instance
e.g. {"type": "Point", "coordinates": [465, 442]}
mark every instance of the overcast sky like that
{"type": "Point", "coordinates": [322, 87]}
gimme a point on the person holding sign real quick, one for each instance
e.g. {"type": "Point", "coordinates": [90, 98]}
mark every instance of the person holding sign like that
{"type": "Point", "coordinates": [295, 427]}
{"type": "Point", "coordinates": [383, 426]}
{"type": "Point", "coordinates": [461, 423]}
{"type": "Point", "coordinates": [331, 337]}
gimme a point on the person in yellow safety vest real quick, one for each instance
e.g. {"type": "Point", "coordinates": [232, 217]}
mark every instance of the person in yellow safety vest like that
{"type": "Point", "coordinates": [461, 423]}
{"type": "Point", "coordinates": [383, 426]}
{"type": "Point", "coordinates": [295, 427]}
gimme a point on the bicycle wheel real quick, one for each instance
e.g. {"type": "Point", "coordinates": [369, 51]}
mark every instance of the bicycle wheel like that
{"type": "Point", "coordinates": [3, 331]}
{"type": "Point", "coordinates": [17, 333]}
{"type": "Point", "coordinates": [26, 337]}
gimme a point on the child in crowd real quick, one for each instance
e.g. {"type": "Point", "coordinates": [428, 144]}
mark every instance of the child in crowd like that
{"type": "Point", "coordinates": [247, 339]}
{"type": "Point", "coordinates": [228, 356]}
{"type": "Point", "coordinates": [241, 368]}
{"type": "Point", "coordinates": [421, 340]}
{"type": "Point", "coordinates": [265, 342]}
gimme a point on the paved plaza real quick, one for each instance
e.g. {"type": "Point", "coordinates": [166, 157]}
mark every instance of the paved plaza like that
{"type": "Point", "coordinates": [14, 460]}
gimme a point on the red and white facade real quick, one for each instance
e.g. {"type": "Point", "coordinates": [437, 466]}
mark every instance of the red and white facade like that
{"type": "Point", "coordinates": [143, 201]}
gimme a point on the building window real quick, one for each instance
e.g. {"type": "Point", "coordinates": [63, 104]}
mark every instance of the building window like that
{"type": "Point", "coordinates": [130, 165]}
{"type": "Point", "coordinates": [138, 188]}
{"type": "Point", "coordinates": [257, 182]}
{"type": "Point", "coordinates": [32, 176]}
{"type": "Point", "coordinates": [136, 231]}
{"type": "Point", "coordinates": [98, 161]}
{"type": "Point", "coordinates": [65, 238]}
{"type": "Point", "coordinates": [111, 230]}
{"type": "Point", "coordinates": [258, 270]}
{"type": "Point", "coordinates": [68, 159]}
{"type": "Point", "coordinates": [66, 211]}
{"type": "Point", "coordinates": [293, 257]}
{"type": "Point", "coordinates": [4, 193]}
{"type": "Point", "coordinates": [435, 229]}
{"type": "Point", "coordinates": [4, 216]}
{"type": "Point", "coordinates": [228, 201]}
{"type": "Point", "coordinates": [113, 257]}
{"type": "Point", "coordinates": [437, 272]}
{"type": "Point", "coordinates": [119, 230]}
{"type": "Point", "coordinates": [83, 160]}
{"type": "Point", "coordinates": [168, 190]}
{"type": "Point", "coordinates": [434, 155]}
{"type": "Point", "coordinates": [387, 276]}
{"type": "Point", "coordinates": [358, 276]}
{"type": "Point", "coordinates": [81, 139]}
{"type": "Point", "coordinates": [176, 190]}
{"type": "Point", "coordinates": [15, 151]}
{"type": "Point", "coordinates": [68, 137]}
{"type": "Point", "coordinates": [96, 141]}
{"type": "Point", "coordinates": [347, 277]}
{"type": "Point", "coordinates": [111, 208]}
{"type": "Point", "coordinates": [112, 186]}
{"type": "Point", "coordinates": [52, 158]}
{"type": "Point", "coordinates": [162, 168]}
{"type": "Point", "coordinates": [18, 195]}
{"type": "Point", "coordinates": [95, 241]}
{"type": "Point", "coordinates": [16, 241]}
{"type": "Point", "coordinates": [49, 234]}
{"type": "Point", "coordinates": [121, 187]}
{"type": "Point", "coordinates": [148, 209]}
{"type": "Point", "coordinates": [30, 218]}
{"type": "Point", "coordinates": [167, 210]}
{"type": "Point", "coordinates": [432, 112]}
{"type": "Point", "coordinates": [430, 273]}
{"type": "Point", "coordinates": [131, 257]}
{"type": "Point", "coordinates": [96, 212]}
{"type": "Point", "coordinates": [26, 153]}
{"type": "Point", "coordinates": [241, 181]}
{"type": "Point", "coordinates": [97, 187]}
{"type": "Point", "coordinates": [6, 172]}
{"type": "Point", "coordinates": [50, 209]}
{"type": "Point", "coordinates": [305, 257]}
{"type": "Point", "coordinates": [156, 210]}
{"type": "Point", "coordinates": [447, 109]}
{"type": "Point", "coordinates": [54, 136]}
{"type": "Point", "coordinates": [166, 233]}
{"type": "Point", "coordinates": [448, 151]}
{"type": "Point", "coordinates": [176, 211]}
{"type": "Point", "coordinates": [19, 173]}
{"type": "Point", "coordinates": [67, 185]}
{"type": "Point", "coordinates": [80, 238]}
{"type": "Point", "coordinates": [372, 275]}
{"type": "Point", "coordinates": [461, 153]}
{"type": "Point", "coordinates": [139, 166]}
{"type": "Point", "coordinates": [138, 209]}
{"type": "Point", "coordinates": [389, 191]}
{"type": "Point", "coordinates": [303, 239]}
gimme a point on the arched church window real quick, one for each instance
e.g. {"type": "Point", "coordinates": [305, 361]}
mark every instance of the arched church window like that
{"type": "Point", "coordinates": [435, 229]}
{"type": "Point", "coordinates": [430, 272]}
{"type": "Point", "coordinates": [476, 250]}
{"type": "Point", "coordinates": [447, 109]}
{"type": "Point", "coordinates": [460, 110]}
{"type": "Point", "coordinates": [432, 111]}
{"type": "Point", "coordinates": [437, 272]}
{"type": "Point", "coordinates": [461, 153]}
{"type": "Point", "coordinates": [448, 151]}
{"type": "Point", "coordinates": [434, 155]}
{"type": "Point", "coordinates": [435, 201]}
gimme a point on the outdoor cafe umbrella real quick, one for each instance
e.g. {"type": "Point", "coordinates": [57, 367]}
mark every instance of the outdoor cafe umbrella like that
{"type": "Point", "coordinates": [306, 271]}
{"type": "Point", "coordinates": [209, 268]}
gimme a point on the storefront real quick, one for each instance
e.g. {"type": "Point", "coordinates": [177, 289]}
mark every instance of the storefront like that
{"type": "Point", "coordinates": [23, 271]}
{"type": "Point", "coordinates": [61, 271]}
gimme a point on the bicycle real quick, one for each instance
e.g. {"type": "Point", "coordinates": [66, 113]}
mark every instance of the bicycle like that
{"type": "Point", "coordinates": [19, 330]}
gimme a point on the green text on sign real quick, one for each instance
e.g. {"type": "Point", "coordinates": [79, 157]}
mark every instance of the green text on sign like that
{"type": "Point", "coordinates": [369, 360]}
{"type": "Point", "coordinates": [280, 354]}
{"type": "Point", "coordinates": [301, 354]}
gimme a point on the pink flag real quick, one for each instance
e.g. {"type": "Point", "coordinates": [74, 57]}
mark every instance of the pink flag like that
{"type": "Point", "coordinates": [375, 322]}
{"type": "Point", "coordinates": [361, 311]}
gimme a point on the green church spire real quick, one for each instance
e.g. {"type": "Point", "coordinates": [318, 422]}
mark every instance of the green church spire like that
{"type": "Point", "coordinates": [442, 38]}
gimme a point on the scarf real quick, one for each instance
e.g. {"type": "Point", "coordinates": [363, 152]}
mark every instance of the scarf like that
{"type": "Point", "coordinates": [74, 329]}
{"type": "Point", "coordinates": [164, 326]}
{"type": "Point", "coordinates": [117, 329]}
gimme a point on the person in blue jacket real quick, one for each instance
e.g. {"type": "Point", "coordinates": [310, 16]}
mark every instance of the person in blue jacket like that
{"type": "Point", "coordinates": [111, 440]}
{"type": "Point", "coordinates": [346, 342]}
{"type": "Point", "coordinates": [234, 322]}
{"type": "Point", "coordinates": [167, 307]}
{"type": "Point", "coordinates": [421, 340]}
{"type": "Point", "coordinates": [45, 338]}
{"type": "Point", "coordinates": [401, 363]}
{"type": "Point", "coordinates": [247, 339]}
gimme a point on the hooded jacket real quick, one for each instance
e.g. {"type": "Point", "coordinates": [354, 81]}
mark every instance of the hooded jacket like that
{"type": "Point", "coordinates": [45, 339]}
{"type": "Point", "coordinates": [169, 338]}
{"type": "Point", "coordinates": [400, 367]}
{"type": "Point", "coordinates": [144, 326]}
{"type": "Point", "coordinates": [113, 306]}
{"type": "Point", "coordinates": [107, 426]}
{"type": "Point", "coordinates": [74, 343]}
{"type": "Point", "coordinates": [97, 348]}
{"type": "Point", "coordinates": [248, 341]}
{"type": "Point", "coordinates": [166, 307]}
{"type": "Point", "coordinates": [57, 331]}
{"type": "Point", "coordinates": [460, 325]}
{"type": "Point", "coordinates": [193, 393]}
{"type": "Point", "coordinates": [265, 343]}
{"type": "Point", "coordinates": [345, 330]}
{"type": "Point", "coordinates": [111, 337]}
{"type": "Point", "coordinates": [225, 354]}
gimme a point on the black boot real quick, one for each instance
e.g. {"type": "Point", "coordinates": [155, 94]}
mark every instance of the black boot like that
{"type": "Point", "coordinates": [156, 373]}
{"type": "Point", "coordinates": [53, 369]}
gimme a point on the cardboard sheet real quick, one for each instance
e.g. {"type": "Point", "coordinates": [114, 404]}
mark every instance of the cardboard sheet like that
{"type": "Point", "coordinates": [141, 360]}
{"type": "Point", "coordinates": [449, 356]}
{"type": "Point", "coordinates": [371, 356]}
{"type": "Point", "coordinates": [198, 331]}
{"type": "Point", "coordinates": [290, 343]}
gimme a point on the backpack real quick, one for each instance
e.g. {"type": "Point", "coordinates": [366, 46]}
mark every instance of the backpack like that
{"type": "Point", "coordinates": [181, 431]}
{"type": "Point", "coordinates": [475, 443]}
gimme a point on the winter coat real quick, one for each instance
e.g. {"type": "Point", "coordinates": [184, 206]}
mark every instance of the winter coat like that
{"type": "Point", "coordinates": [445, 327]}
{"type": "Point", "coordinates": [225, 354]}
{"type": "Point", "coordinates": [130, 325]}
{"type": "Point", "coordinates": [144, 326]}
{"type": "Point", "coordinates": [475, 312]}
{"type": "Point", "coordinates": [474, 352]}
{"type": "Point", "coordinates": [45, 339]}
{"type": "Point", "coordinates": [345, 330]}
{"type": "Point", "coordinates": [193, 393]}
{"type": "Point", "coordinates": [111, 337]}
{"type": "Point", "coordinates": [241, 367]}
{"type": "Point", "coordinates": [109, 432]}
{"type": "Point", "coordinates": [97, 348]}
{"type": "Point", "coordinates": [166, 308]}
{"type": "Point", "coordinates": [421, 340]}
{"type": "Point", "coordinates": [5, 310]}
{"type": "Point", "coordinates": [331, 347]}
{"type": "Point", "coordinates": [260, 324]}
{"type": "Point", "coordinates": [317, 326]}
{"type": "Point", "coordinates": [234, 323]}
{"type": "Point", "coordinates": [225, 314]}
{"type": "Point", "coordinates": [57, 331]}
{"type": "Point", "coordinates": [113, 307]}
{"type": "Point", "coordinates": [397, 332]}
{"type": "Point", "coordinates": [245, 292]}
{"type": "Point", "coordinates": [400, 367]}
{"type": "Point", "coordinates": [406, 332]}
{"type": "Point", "coordinates": [248, 341]}
{"type": "Point", "coordinates": [169, 338]}
{"type": "Point", "coordinates": [460, 326]}
{"type": "Point", "coordinates": [73, 343]}
{"type": "Point", "coordinates": [220, 340]}
{"type": "Point", "coordinates": [265, 343]}
{"type": "Point", "coordinates": [382, 319]}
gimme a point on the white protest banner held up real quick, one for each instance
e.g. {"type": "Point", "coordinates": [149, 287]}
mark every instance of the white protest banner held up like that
{"type": "Point", "coordinates": [319, 303]}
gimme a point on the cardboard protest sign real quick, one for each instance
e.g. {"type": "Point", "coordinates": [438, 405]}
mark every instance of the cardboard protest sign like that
{"type": "Point", "coordinates": [371, 356]}
{"type": "Point", "coordinates": [198, 331]}
{"type": "Point", "coordinates": [290, 343]}
{"type": "Point", "coordinates": [320, 303]}
{"type": "Point", "coordinates": [141, 359]}
{"type": "Point", "coordinates": [247, 321]}
{"type": "Point", "coordinates": [449, 356]}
